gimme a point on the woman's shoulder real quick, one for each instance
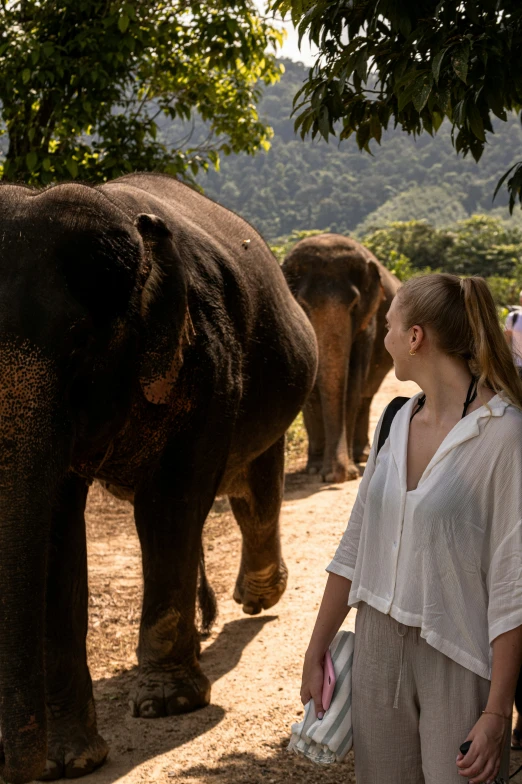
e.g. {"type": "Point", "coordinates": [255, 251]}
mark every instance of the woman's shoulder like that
{"type": "Point", "coordinates": [506, 421]}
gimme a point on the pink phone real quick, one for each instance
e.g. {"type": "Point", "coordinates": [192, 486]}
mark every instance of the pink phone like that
{"type": "Point", "coordinates": [328, 680]}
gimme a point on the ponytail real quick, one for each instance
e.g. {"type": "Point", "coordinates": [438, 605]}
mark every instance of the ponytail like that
{"type": "Point", "coordinates": [491, 361]}
{"type": "Point", "coordinates": [463, 315]}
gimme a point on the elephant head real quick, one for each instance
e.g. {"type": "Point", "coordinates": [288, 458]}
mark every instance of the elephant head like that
{"type": "Point", "coordinates": [93, 306]}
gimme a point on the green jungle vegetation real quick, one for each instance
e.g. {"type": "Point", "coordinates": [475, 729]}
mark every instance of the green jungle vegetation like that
{"type": "Point", "coordinates": [87, 84]}
{"type": "Point", "coordinates": [415, 203]}
{"type": "Point", "coordinates": [299, 185]}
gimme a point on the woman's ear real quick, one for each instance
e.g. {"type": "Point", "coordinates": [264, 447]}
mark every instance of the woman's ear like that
{"type": "Point", "coordinates": [166, 325]}
{"type": "Point", "coordinates": [416, 337]}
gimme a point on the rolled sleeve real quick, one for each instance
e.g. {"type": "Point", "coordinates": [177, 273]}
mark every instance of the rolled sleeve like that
{"type": "Point", "coordinates": [504, 582]}
{"type": "Point", "coordinates": [343, 562]}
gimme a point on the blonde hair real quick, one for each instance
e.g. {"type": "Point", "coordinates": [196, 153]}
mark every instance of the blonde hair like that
{"type": "Point", "coordinates": [463, 316]}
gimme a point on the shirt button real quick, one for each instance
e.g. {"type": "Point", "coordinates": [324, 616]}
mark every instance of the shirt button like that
{"type": "Point", "coordinates": [395, 544]}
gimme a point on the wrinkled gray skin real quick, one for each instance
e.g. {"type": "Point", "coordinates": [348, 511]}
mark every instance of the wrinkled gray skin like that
{"type": "Point", "coordinates": [345, 293]}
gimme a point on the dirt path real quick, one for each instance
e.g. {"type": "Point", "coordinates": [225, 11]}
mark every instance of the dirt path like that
{"type": "Point", "coordinates": [254, 663]}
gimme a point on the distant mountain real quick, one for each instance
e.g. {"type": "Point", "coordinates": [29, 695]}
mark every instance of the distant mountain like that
{"type": "Point", "coordinates": [313, 185]}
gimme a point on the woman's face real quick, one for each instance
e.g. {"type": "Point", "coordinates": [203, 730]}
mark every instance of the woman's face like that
{"type": "Point", "coordinates": [398, 342]}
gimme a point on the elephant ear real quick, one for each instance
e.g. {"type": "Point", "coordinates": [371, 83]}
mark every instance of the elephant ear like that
{"type": "Point", "coordinates": [166, 325]}
{"type": "Point", "coordinates": [377, 292]}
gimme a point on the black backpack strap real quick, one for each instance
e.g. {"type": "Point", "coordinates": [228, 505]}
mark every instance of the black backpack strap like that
{"type": "Point", "coordinates": [391, 409]}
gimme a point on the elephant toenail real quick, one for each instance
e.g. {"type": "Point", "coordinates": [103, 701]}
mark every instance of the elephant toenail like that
{"type": "Point", "coordinates": [148, 710]}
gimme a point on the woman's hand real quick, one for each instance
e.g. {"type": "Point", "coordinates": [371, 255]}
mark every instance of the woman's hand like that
{"type": "Point", "coordinates": [312, 682]}
{"type": "Point", "coordinates": [481, 764]}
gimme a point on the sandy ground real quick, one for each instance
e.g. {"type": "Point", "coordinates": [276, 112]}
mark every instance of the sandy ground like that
{"type": "Point", "coordinates": [254, 663]}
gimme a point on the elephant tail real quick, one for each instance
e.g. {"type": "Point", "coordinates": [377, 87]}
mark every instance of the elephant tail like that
{"type": "Point", "coordinates": [206, 598]}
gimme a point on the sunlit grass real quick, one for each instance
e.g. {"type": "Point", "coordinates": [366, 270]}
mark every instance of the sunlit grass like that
{"type": "Point", "coordinates": [296, 441]}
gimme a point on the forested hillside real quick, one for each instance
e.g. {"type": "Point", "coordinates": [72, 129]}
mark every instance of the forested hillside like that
{"type": "Point", "coordinates": [303, 185]}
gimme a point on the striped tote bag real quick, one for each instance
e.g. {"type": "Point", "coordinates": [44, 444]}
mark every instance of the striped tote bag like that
{"type": "Point", "coordinates": [330, 739]}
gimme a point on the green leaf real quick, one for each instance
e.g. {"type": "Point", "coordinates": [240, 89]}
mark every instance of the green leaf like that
{"type": "Point", "coordinates": [31, 160]}
{"type": "Point", "coordinates": [406, 96]}
{"type": "Point", "coordinates": [475, 122]}
{"type": "Point", "coordinates": [436, 118]}
{"type": "Point", "coordinates": [46, 164]}
{"type": "Point", "coordinates": [324, 122]}
{"type": "Point", "coordinates": [437, 62]}
{"type": "Point", "coordinates": [26, 75]}
{"type": "Point", "coordinates": [72, 167]}
{"type": "Point", "coordinates": [376, 128]}
{"type": "Point", "coordinates": [123, 23]}
{"type": "Point", "coordinates": [421, 93]}
{"type": "Point", "coordinates": [459, 60]}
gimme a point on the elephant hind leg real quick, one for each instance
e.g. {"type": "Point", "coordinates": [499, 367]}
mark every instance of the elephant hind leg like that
{"type": "Point", "coordinates": [256, 507]}
{"type": "Point", "coordinates": [314, 424]}
{"type": "Point", "coordinates": [206, 598]}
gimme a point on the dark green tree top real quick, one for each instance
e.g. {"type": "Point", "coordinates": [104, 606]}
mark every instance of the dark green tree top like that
{"type": "Point", "coordinates": [410, 63]}
{"type": "Point", "coordinates": [86, 84]}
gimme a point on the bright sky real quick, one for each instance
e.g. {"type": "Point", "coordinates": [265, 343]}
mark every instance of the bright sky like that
{"type": "Point", "coordinates": [290, 49]}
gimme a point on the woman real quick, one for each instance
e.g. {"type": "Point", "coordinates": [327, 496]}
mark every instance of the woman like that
{"type": "Point", "coordinates": [432, 556]}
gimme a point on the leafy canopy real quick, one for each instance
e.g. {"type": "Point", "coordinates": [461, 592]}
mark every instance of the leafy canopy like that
{"type": "Point", "coordinates": [87, 84]}
{"type": "Point", "coordinates": [411, 63]}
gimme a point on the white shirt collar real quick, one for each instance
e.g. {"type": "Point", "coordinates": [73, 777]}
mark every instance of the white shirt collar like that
{"type": "Point", "coordinates": [463, 430]}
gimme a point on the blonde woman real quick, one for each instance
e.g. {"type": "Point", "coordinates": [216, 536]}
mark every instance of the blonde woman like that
{"type": "Point", "coordinates": [432, 556]}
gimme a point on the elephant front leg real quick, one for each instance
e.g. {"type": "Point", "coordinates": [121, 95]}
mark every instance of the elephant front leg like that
{"type": "Point", "coordinates": [170, 510]}
{"type": "Point", "coordinates": [314, 424]}
{"type": "Point", "coordinates": [357, 412]}
{"type": "Point", "coordinates": [361, 444]}
{"type": "Point", "coordinates": [74, 746]}
{"type": "Point", "coordinates": [263, 574]}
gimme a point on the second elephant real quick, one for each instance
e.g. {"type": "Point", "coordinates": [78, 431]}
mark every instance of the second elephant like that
{"type": "Point", "coordinates": [345, 293]}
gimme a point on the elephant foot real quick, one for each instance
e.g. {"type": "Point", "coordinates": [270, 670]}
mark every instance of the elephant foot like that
{"type": "Point", "coordinates": [73, 751]}
{"type": "Point", "coordinates": [362, 455]}
{"type": "Point", "coordinates": [261, 589]}
{"type": "Point", "coordinates": [313, 466]}
{"type": "Point", "coordinates": [169, 692]}
{"type": "Point", "coordinates": [340, 473]}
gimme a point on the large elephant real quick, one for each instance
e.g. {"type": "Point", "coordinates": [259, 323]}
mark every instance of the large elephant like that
{"type": "Point", "coordinates": [148, 339]}
{"type": "Point", "coordinates": [346, 293]}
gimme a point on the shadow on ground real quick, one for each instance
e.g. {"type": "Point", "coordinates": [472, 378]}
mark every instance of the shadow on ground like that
{"type": "Point", "coordinates": [280, 767]}
{"type": "Point", "coordinates": [134, 741]}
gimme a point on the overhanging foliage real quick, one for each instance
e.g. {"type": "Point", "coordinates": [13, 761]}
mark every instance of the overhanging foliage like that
{"type": "Point", "coordinates": [411, 63]}
{"type": "Point", "coordinates": [86, 83]}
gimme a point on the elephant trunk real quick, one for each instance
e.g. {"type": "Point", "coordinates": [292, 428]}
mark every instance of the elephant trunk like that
{"type": "Point", "coordinates": [29, 476]}
{"type": "Point", "coordinates": [333, 327]}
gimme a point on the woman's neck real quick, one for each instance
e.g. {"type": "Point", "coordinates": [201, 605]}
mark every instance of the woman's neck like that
{"type": "Point", "coordinates": [446, 383]}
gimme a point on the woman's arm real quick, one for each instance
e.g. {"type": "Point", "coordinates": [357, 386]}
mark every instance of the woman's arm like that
{"type": "Point", "coordinates": [332, 612]}
{"type": "Point", "coordinates": [482, 762]}
{"type": "Point", "coordinates": [507, 659]}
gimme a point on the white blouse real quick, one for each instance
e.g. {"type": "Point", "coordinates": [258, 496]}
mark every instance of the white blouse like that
{"type": "Point", "coordinates": [447, 556]}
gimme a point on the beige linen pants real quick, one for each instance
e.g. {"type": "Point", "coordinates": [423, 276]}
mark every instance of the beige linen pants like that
{"type": "Point", "coordinates": [412, 706]}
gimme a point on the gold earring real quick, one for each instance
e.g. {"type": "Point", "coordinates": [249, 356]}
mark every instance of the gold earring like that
{"type": "Point", "coordinates": [412, 353]}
